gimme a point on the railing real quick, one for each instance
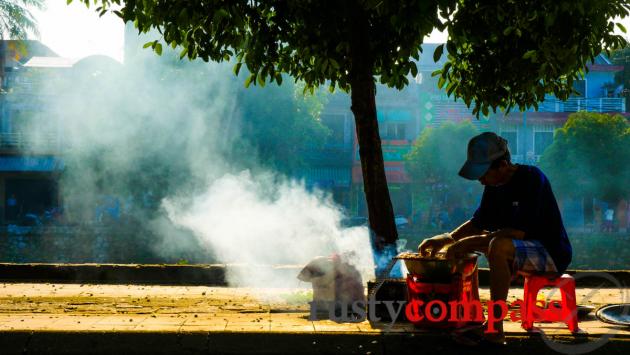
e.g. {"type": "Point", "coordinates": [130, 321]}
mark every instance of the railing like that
{"type": "Point", "coordinates": [445, 109]}
{"type": "Point", "coordinates": [599, 104]}
{"type": "Point", "coordinates": [23, 141]}
{"type": "Point", "coordinates": [532, 159]}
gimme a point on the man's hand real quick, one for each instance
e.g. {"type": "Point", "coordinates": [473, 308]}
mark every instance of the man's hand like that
{"type": "Point", "coordinates": [434, 244]}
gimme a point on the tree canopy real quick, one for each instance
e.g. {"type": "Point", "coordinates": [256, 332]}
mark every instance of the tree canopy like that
{"type": "Point", "coordinates": [592, 151]}
{"type": "Point", "coordinates": [501, 54]}
{"type": "Point", "coordinates": [16, 21]}
{"type": "Point", "coordinates": [278, 125]}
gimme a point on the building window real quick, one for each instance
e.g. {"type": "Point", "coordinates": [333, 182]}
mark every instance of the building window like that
{"type": "Point", "coordinates": [393, 131]}
{"type": "Point", "coordinates": [511, 137]}
{"type": "Point", "coordinates": [542, 140]}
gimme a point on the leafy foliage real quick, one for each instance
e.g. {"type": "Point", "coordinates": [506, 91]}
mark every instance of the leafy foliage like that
{"type": "Point", "coordinates": [278, 124]}
{"type": "Point", "coordinates": [591, 151]}
{"type": "Point", "coordinates": [309, 40]}
{"type": "Point", "coordinates": [504, 54]}
{"type": "Point", "coordinates": [17, 20]}
{"type": "Point", "coordinates": [501, 54]}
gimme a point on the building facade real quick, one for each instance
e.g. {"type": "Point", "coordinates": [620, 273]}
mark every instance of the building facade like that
{"type": "Point", "coordinates": [29, 161]}
{"type": "Point", "coordinates": [32, 143]}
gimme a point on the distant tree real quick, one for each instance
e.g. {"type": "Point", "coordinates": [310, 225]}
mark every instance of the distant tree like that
{"type": "Point", "coordinates": [501, 53]}
{"type": "Point", "coordinates": [16, 21]}
{"type": "Point", "coordinates": [278, 124]}
{"type": "Point", "coordinates": [439, 152]}
{"type": "Point", "coordinates": [434, 162]}
{"type": "Point", "coordinates": [590, 157]}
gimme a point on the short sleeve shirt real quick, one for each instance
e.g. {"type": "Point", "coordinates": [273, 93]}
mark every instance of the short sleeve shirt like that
{"type": "Point", "coordinates": [526, 203]}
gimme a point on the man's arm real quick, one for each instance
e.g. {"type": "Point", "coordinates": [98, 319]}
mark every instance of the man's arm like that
{"type": "Point", "coordinates": [508, 233]}
{"type": "Point", "coordinates": [466, 237]}
{"type": "Point", "coordinates": [467, 229]}
{"type": "Point", "coordinates": [440, 241]}
{"type": "Point", "coordinates": [481, 242]}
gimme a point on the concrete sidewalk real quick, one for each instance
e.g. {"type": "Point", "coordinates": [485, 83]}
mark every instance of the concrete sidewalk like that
{"type": "Point", "coordinates": [83, 318]}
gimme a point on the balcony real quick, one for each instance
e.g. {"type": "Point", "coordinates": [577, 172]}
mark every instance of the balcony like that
{"type": "Point", "coordinates": [574, 104]}
{"type": "Point", "coordinates": [23, 142]}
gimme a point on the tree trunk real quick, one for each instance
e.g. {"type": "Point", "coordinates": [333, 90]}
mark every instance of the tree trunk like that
{"type": "Point", "coordinates": [363, 95]}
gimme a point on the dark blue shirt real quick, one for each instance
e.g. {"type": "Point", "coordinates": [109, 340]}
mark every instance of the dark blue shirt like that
{"type": "Point", "coordinates": [526, 203]}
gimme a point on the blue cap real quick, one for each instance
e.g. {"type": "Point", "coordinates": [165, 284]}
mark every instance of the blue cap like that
{"type": "Point", "coordinates": [482, 151]}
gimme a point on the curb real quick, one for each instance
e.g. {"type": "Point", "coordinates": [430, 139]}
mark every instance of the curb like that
{"type": "Point", "coordinates": [199, 274]}
{"type": "Point", "coordinates": [57, 342]}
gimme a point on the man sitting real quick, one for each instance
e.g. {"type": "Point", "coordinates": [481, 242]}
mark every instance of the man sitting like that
{"type": "Point", "coordinates": [517, 224]}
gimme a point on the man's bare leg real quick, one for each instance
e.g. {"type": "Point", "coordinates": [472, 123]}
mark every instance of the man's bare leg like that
{"type": "Point", "coordinates": [500, 257]}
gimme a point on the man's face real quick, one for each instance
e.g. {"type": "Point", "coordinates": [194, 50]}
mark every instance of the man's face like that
{"type": "Point", "coordinates": [495, 176]}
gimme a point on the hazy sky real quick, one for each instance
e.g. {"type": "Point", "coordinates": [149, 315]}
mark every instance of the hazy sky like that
{"type": "Point", "coordinates": [73, 31]}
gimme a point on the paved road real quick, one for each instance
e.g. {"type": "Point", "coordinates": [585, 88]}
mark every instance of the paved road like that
{"type": "Point", "coordinates": [83, 307]}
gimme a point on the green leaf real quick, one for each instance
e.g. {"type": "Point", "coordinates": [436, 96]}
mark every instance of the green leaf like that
{"type": "Point", "coordinates": [147, 45]}
{"type": "Point", "coordinates": [261, 79]}
{"type": "Point", "coordinates": [438, 53]}
{"type": "Point", "coordinates": [249, 80]}
{"type": "Point", "coordinates": [414, 69]}
{"type": "Point", "coordinates": [531, 54]}
{"type": "Point", "coordinates": [219, 15]}
{"type": "Point", "coordinates": [446, 68]}
{"type": "Point", "coordinates": [621, 27]}
{"type": "Point", "coordinates": [450, 47]}
{"type": "Point", "coordinates": [441, 82]}
{"type": "Point", "coordinates": [158, 48]}
{"type": "Point", "coordinates": [237, 68]}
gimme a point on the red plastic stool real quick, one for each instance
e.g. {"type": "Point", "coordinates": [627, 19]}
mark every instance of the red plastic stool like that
{"type": "Point", "coordinates": [565, 311]}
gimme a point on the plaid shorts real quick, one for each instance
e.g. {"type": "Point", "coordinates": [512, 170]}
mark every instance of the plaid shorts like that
{"type": "Point", "coordinates": [531, 256]}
